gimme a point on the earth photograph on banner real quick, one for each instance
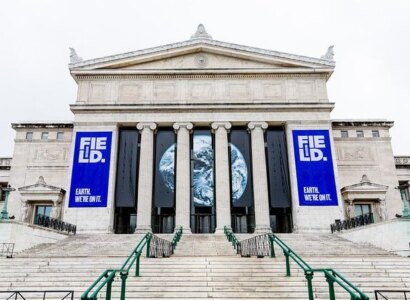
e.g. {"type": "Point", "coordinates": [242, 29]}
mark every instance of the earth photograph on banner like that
{"type": "Point", "coordinates": [239, 173]}
{"type": "Point", "coordinates": [202, 177]}
{"type": "Point", "coordinates": [167, 167]}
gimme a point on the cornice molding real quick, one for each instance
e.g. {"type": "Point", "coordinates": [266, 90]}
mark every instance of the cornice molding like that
{"type": "Point", "coordinates": [201, 107]}
{"type": "Point", "coordinates": [198, 76]}
{"type": "Point", "coordinates": [205, 43]}
{"type": "Point", "coordinates": [34, 125]}
{"type": "Point", "coordinates": [361, 123]}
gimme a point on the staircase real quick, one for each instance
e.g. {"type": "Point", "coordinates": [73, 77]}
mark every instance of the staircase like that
{"type": "Point", "coordinates": [204, 266]}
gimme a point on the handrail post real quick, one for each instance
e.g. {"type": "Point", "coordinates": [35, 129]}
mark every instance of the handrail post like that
{"type": "Point", "coordinates": [272, 246]}
{"type": "Point", "coordinates": [137, 264]}
{"type": "Point", "coordinates": [123, 282]}
{"type": "Point", "coordinates": [286, 253]}
{"type": "Point", "coordinates": [148, 245]}
{"type": "Point", "coordinates": [108, 291]}
{"type": "Point", "coordinates": [330, 282]}
{"type": "Point", "coordinates": [309, 277]}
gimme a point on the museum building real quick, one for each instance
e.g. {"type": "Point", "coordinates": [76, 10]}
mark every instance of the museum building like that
{"type": "Point", "coordinates": [203, 134]}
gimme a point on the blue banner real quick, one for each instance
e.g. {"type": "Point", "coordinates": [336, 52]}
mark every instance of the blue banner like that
{"type": "Point", "coordinates": [91, 169]}
{"type": "Point", "coordinates": [314, 168]}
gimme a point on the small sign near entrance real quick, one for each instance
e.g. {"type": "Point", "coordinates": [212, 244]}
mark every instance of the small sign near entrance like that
{"type": "Point", "coordinates": [314, 168]}
{"type": "Point", "coordinates": [91, 168]}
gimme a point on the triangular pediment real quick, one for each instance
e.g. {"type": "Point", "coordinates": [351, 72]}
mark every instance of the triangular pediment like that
{"type": "Point", "coordinates": [40, 187]}
{"type": "Point", "coordinates": [203, 55]}
{"type": "Point", "coordinates": [203, 60]}
{"type": "Point", "coordinates": [365, 185]}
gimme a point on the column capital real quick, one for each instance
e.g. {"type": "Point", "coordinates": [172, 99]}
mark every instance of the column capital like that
{"type": "Point", "coordinates": [216, 125]}
{"type": "Point", "coordinates": [187, 125]}
{"type": "Point", "coordinates": [142, 125]}
{"type": "Point", "coordinates": [253, 125]}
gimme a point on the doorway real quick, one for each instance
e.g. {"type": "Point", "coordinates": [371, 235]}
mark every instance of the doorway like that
{"type": "Point", "coordinates": [242, 219]}
{"type": "Point", "coordinates": [203, 220]}
{"type": "Point", "coordinates": [281, 220]}
{"type": "Point", "coordinates": [163, 220]}
{"type": "Point", "coordinates": [125, 220]}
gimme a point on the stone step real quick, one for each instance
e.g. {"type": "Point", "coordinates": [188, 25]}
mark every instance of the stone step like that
{"type": "Point", "coordinates": [204, 266]}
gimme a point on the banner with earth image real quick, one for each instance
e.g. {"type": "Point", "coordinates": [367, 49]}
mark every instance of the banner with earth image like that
{"type": "Point", "coordinates": [164, 178]}
{"type": "Point", "coordinates": [240, 156]}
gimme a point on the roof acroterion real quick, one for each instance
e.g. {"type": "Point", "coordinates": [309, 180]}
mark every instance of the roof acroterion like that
{"type": "Point", "coordinates": [201, 33]}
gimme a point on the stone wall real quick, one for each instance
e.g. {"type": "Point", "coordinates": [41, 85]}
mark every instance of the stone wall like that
{"type": "Point", "coordinates": [35, 157]}
{"type": "Point", "coordinates": [369, 155]}
{"type": "Point", "coordinates": [25, 235]}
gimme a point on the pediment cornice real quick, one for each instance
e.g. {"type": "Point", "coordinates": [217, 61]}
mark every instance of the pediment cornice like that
{"type": "Point", "coordinates": [365, 186]}
{"type": "Point", "coordinates": [40, 187]}
{"type": "Point", "coordinates": [286, 60]}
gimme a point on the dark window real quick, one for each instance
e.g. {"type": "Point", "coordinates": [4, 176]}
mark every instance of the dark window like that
{"type": "Point", "coordinates": [359, 133]}
{"type": "Point", "coordinates": [361, 209]}
{"type": "Point", "coordinates": [344, 134]}
{"type": "Point", "coordinates": [29, 136]}
{"type": "Point", "coordinates": [44, 210]}
{"type": "Point", "coordinates": [375, 133]}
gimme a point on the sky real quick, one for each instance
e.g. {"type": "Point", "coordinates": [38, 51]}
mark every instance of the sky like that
{"type": "Point", "coordinates": [371, 38]}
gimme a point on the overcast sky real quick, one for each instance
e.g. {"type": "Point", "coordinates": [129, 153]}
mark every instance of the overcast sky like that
{"type": "Point", "coordinates": [371, 38]}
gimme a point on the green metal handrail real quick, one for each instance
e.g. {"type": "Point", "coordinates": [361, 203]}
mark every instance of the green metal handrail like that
{"type": "Point", "coordinates": [231, 237]}
{"type": "Point", "coordinates": [107, 277]}
{"type": "Point", "coordinates": [177, 237]}
{"type": "Point", "coordinates": [331, 275]}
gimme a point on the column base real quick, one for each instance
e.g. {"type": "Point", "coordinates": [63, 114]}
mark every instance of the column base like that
{"type": "Point", "coordinates": [263, 229]}
{"type": "Point", "coordinates": [143, 229]}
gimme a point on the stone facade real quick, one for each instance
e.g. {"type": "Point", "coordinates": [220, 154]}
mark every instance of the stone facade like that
{"type": "Point", "coordinates": [204, 83]}
{"type": "Point", "coordinates": [41, 149]}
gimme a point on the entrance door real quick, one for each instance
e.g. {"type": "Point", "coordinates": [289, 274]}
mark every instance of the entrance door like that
{"type": "Point", "coordinates": [163, 220]}
{"type": "Point", "coordinates": [281, 220]}
{"type": "Point", "coordinates": [203, 223]}
{"type": "Point", "coordinates": [239, 224]}
{"type": "Point", "coordinates": [125, 220]}
{"type": "Point", "coordinates": [242, 219]}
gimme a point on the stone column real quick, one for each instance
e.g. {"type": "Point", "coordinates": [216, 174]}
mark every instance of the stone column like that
{"type": "Point", "coordinates": [183, 177]}
{"type": "Point", "coordinates": [222, 184]}
{"type": "Point", "coordinates": [260, 177]}
{"type": "Point", "coordinates": [145, 177]}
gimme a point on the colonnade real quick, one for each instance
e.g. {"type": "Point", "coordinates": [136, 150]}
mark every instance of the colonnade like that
{"type": "Point", "coordinates": [222, 178]}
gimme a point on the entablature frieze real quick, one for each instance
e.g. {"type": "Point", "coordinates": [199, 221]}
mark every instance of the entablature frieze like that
{"type": "Point", "coordinates": [206, 88]}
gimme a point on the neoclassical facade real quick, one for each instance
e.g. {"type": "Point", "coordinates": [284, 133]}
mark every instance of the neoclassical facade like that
{"type": "Point", "coordinates": [204, 134]}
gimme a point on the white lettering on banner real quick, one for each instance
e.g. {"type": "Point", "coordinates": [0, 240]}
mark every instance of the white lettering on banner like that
{"type": "Point", "coordinates": [309, 147]}
{"type": "Point", "coordinates": [83, 195]}
{"type": "Point", "coordinates": [311, 193]}
{"type": "Point", "coordinates": [90, 149]}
